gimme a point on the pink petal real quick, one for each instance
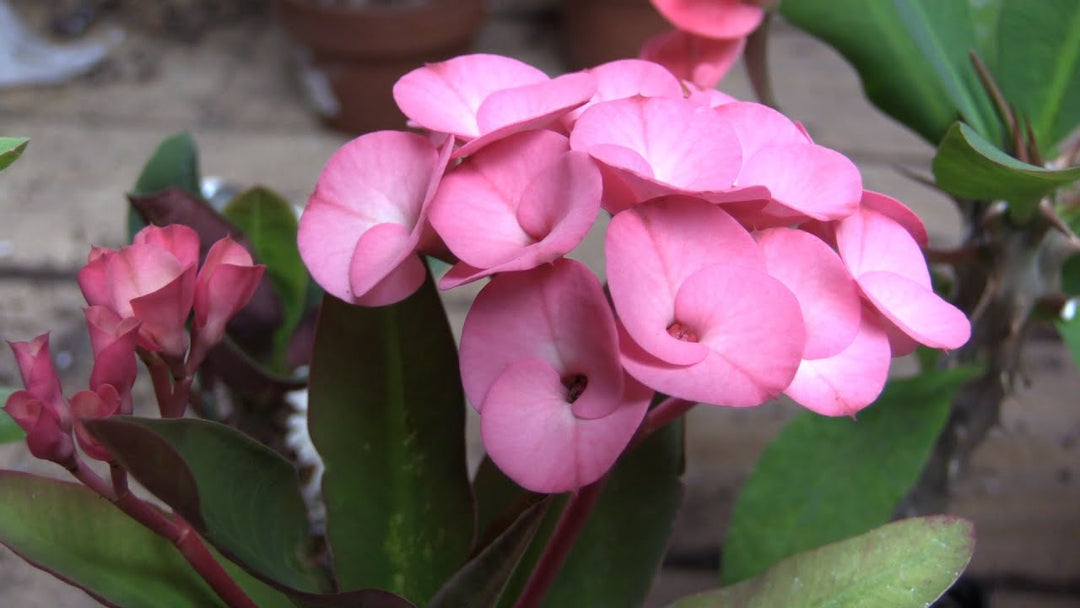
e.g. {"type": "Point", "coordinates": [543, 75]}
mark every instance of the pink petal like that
{"type": "Point", "coordinates": [94, 278]}
{"type": "Point", "coordinates": [758, 126]}
{"type": "Point", "coordinates": [750, 324]}
{"type": "Point", "coordinates": [651, 249]}
{"type": "Point", "coordinates": [37, 370]}
{"type": "Point", "coordinates": [916, 310]}
{"type": "Point", "coordinates": [827, 295]}
{"type": "Point", "coordinates": [817, 181]}
{"type": "Point", "coordinates": [848, 381]}
{"type": "Point", "coordinates": [221, 295]}
{"type": "Point", "coordinates": [543, 101]}
{"type": "Point", "coordinates": [447, 96]}
{"type": "Point", "coordinates": [402, 281]}
{"type": "Point", "coordinates": [627, 78]}
{"type": "Point", "coordinates": [163, 315]}
{"type": "Point", "coordinates": [138, 270]}
{"type": "Point", "coordinates": [869, 242]}
{"type": "Point", "coordinates": [686, 146]}
{"type": "Point", "coordinates": [475, 207]}
{"type": "Point", "coordinates": [556, 313]}
{"type": "Point", "coordinates": [180, 240]}
{"type": "Point", "coordinates": [897, 212]}
{"type": "Point", "coordinates": [702, 61]}
{"type": "Point", "coordinates": [708, 97]}
{"type": "Point", "coordinates": [712, 18]}
{"type": "Point", "coordinates": [92, 405]}
{"type": "Point", "coordinates": [386, 177]}
{"type": "Point", "coordinates": [534, 437]}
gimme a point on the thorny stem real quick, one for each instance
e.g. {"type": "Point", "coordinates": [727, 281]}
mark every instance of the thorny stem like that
{"type": "Point", "coordinates": [175, 530]}
{"type": "Point", "coordinates": [581, 504]}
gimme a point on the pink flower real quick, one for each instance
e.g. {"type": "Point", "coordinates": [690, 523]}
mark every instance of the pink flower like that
{"type": "Point", "coordinates": [540, 361]}
{"type": "Point", "coordinates": [523, 201]}
{"type": "Point", "coordinates": [40, 409]}
{"type": "Point", "coordinates": [482, 98]}
{"type": "Point", "coordinates": [702, 61]}
{"type": "Point", "coordinates": [152, 280]}
{"type": "Point", "coordinates": [224, 285]}
{"type": "Point", "coordinates": [47, 436]}
{"type": "Point", "coordinates": [363, 223]}
{"type": "Point", "coordinates": [113, 341]}
{"type": "Point", "coordinates": [660, 146]}
{"type": "Point", "coordinates": [712, 18]}
{"type": "Point", "coordinates": [93, 404]}
{"type": "Point", "coordinates": [703, 320]}
{"type": "Point", "coordinates": [891, 273]}
{"type": "Point", "coordinates": [628, 78]}
{"type": "Point", "coordinates": [803, 180]}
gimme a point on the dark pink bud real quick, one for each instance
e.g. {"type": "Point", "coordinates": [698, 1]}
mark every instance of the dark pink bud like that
{"type": "Point", "coordinates": [45, 434]}
{"type": "Point", "coordinates": [102, 403]}
{"type": "Point", "coordinates": [39, 376]}
{"type": "Point", "coordinates": [225, 285]}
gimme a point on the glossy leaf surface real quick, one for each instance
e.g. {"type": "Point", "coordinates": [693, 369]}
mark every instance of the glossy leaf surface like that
{"type": "Point", "coordinates": [387, 414]}
{"type": "Point", "coordinates": [905, 564]}
{"type": "Point", "coordinates": [969, 166]}
{"type": "Point", "coordinates": [824, 479]}
{"type": "Point", "coordinates": [241, 495]}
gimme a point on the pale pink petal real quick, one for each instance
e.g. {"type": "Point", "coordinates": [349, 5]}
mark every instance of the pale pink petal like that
{"type": "Point", "coordinates": [651, 249]}
{"type": "Point", "coordinates": [812, 179]}
{"type": "Point", "coordinates": [386, 177]}
{"type": "Point", "coordinates": [378, 252]}
{"type": "Point", "coordinates": [758, 126]}
{"type": "Point", "coordinates": [869, 241]}
{"type": "Point", "coordinates": [752, 364]}
{"type": "Point", "coordinates": [627, 78]}
{"type": "Point", "coordinates": [446, 96]}
{"type": "Point", "coordinates": [140, 269]}
{"type": "Point", "coordinates": [916, 309]}
{"type": "Point", "coordinates": [702, 61]}
{"type": "Point", "coordinates": [557, 313]}
{"type": "Point", "coordinates": [534, 437]}
{"type": "Point", "coordinates": [708, 97]}
{"type": "Point", "coordinates": [848, 381]}
{"type": "Point", "coordinates": [402, 281]}
{"type": "Point", "coordinates": [93, 278]}
{"type": "Point", "coordinates": [163, 314]}
{"type": "Point", "coordinates": [546, 100]}
{"type": "Point", "coordinates": [712, 18]}
{"type": "Point", "coordinates": [827, 295]}
{"type": "Point", "coordinates": [687, 146]}
{"type": "Point", "coordinates": [897, 212]}
{"type": "Point", "coordinates": [180, 240]}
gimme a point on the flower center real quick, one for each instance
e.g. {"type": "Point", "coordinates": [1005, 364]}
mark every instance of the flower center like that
{"type": "Point", "coordinates": [575, 385]}
{"type": "Point", "coordinates": [682, 332]}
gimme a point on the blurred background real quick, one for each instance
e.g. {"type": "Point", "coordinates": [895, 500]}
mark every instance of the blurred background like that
{"type": "Point", "coordinates": [270, 88]}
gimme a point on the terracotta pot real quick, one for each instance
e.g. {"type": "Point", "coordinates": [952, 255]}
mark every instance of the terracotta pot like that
{"type": "Point", "coordinates": [598, 31]}
{"type": "Point", "coordinates": [357, 54]}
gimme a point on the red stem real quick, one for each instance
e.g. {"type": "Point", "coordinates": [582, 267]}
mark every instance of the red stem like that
{"type": "Point", "coordinates": [562, 541]}
{"type": "Point", "coordinates": [177, 531]}
{"type": "Point", "coordinates": [581, 505]}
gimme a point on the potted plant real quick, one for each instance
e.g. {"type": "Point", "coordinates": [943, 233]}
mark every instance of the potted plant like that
{"type": "Point", "coordinates": [357, 49]}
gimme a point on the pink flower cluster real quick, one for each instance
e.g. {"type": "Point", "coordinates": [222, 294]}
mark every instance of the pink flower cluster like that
{"type": "Point", "coordinates": [140, 298]}
{"type": "Point", "coordinates": [743, 261]}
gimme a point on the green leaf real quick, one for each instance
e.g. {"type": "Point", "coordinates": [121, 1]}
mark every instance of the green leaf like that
{"type": "Point", "coordinates": [944, 32]}
{"type": "Point", "coordinates": [499, 501]}
{"type": "Point", "coordinates": [480, 583]}
{"type": "Point", "coordinates": [895, 75]}
{"type": "Point", "coordinates": [387, 414]}
{"type": "Point", "coordinates": [823, 479]}
{"type": "Point", "coordinates": [908, 563]}
{"type": "Point", "coordinates": [10, 431]}
{"type": "Point", "coordinates": [239, 494]}
{"type": "Point", "coordinates": [1070, 276]}
{"type": "Point", "coordinates": [269, 222]}
{"type": "Point", "coordinates": [1038, 65]}
{"type": "Point", "coordinates": [968, 166]}
{"type": "Point", "coordinates": [174, 164]}
{"type": "Point", "coordinates": [83, 539]}
{"type": "Point", "coordinates": [1070, 335]}
{"type": "Point", "coordinates": [616, 557]}
{"type": "Point", "coordinates": [11, 148]}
